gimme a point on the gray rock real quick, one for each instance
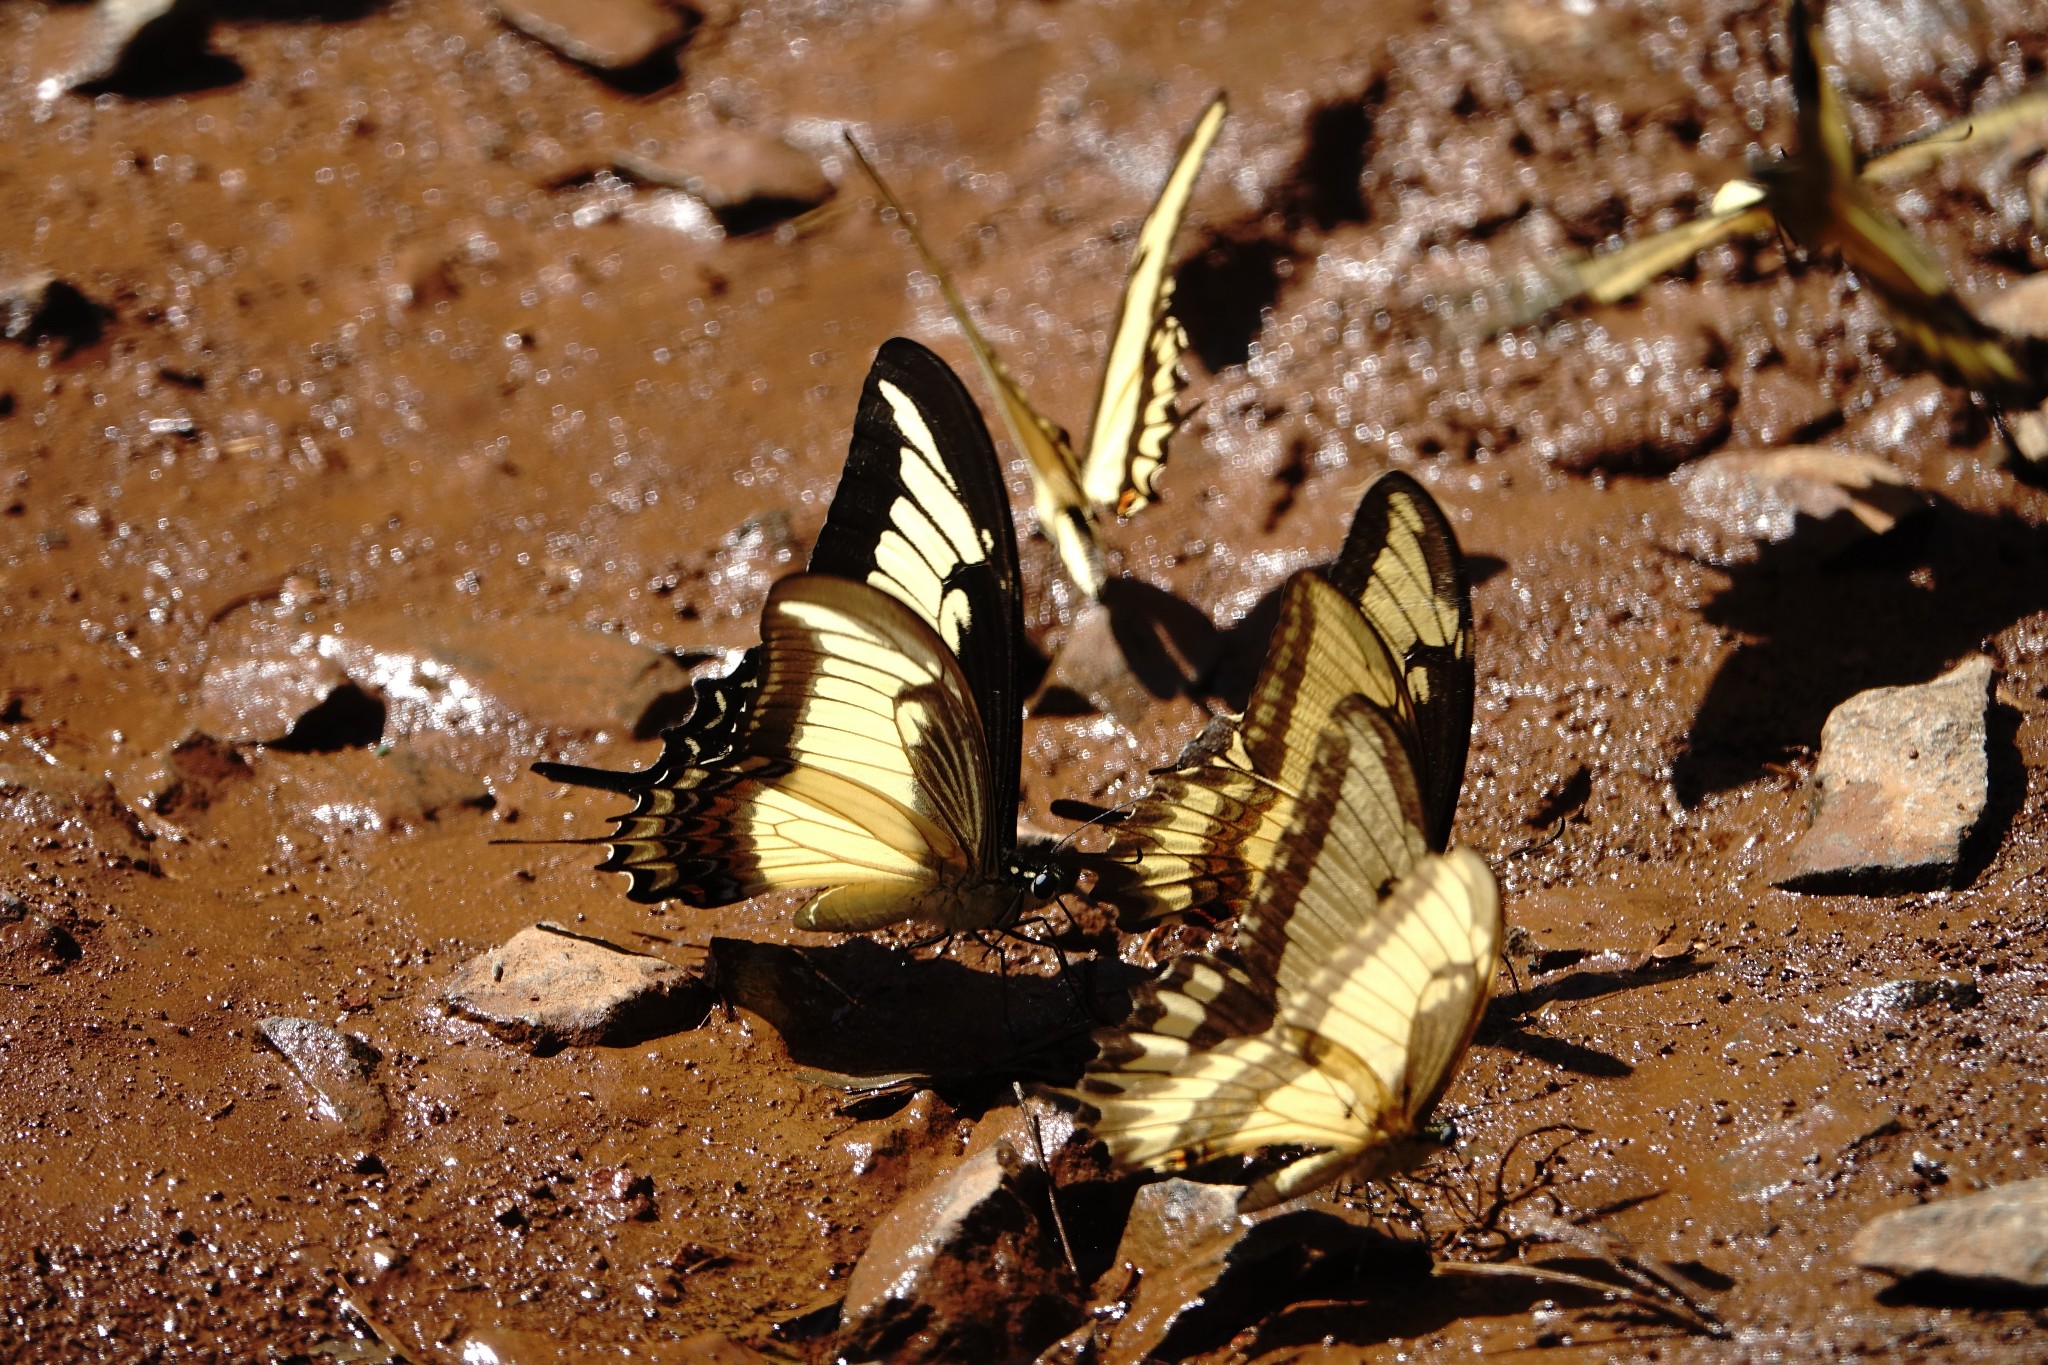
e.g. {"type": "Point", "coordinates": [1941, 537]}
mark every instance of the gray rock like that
{"type": "Point", "coordinates": [611, 35]}
{"type": "Point", "coordinates": [1903, 779]}
{"type": "Point", "coordinates": [1824, 500]}
{"type": "Point", "coordinates": [549, 988]}
{"type": "Point", "coordinates": [338, 1068]}
{"type": "Point", "coordinates": [965, 1268]}
{"type": "Point", "coordinates": [1998, 1237]}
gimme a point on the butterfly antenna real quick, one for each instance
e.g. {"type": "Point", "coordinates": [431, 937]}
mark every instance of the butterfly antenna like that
{"type": "Point", "coordinates": [1052, 1188]}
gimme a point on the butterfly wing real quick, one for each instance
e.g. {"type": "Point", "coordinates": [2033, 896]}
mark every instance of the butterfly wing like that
{"type": "Point", "coordinates": [1401, 565]}
{"type": "Point", "coordinates": [1063, 513]}
{"type": "Point", "coordinates": [867, 742]}
{"type": "Point", "coordinates": [1350, 1009]}
{"type": "Point", "coordinates": [1135, 409]}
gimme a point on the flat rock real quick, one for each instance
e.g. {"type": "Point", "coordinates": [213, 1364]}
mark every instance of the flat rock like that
{"type": "Point", "coordinates": [338, 1068]}
{"type": "Point", "coordinates": [610, 35]}
{"type": "Point", "coordinates": [550, 988]}
{"type": "Point", "coordinates": [1997, 1237]}
{"type": "Point", "coordinates": [447, 679]}
{"type": "Point", "coordinates": [1818, 500]}
{"type": "Point", "coordinates": [295, 696]}
{"type": "Point", "coordinates": [746, 178]}
{"type": "Point", "coordinates": [965, 1268]}
{"type": "Point", "coordinates": [1903, 779]}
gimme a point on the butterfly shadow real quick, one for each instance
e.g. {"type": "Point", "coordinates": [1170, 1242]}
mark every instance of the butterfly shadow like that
{"type": "Point", "coordinates": [871, 1016]}
{"type": "Point", "coordinates": [1898, 610]}
{"type": "Point", "coordinates": [1503, 1023]}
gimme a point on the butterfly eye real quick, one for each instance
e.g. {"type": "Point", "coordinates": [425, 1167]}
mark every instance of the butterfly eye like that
{"type": "Point", "coordinates": [1051, 881]}
{"type": "Point", "coordinates": [1443, 1132]}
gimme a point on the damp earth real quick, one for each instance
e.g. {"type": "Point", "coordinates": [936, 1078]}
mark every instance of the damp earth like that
{"type": "Point", "coordinates": [393, 395]}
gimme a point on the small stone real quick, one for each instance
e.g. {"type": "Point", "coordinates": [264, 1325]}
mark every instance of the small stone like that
{"type": "Point", "coordinates": [337, 1067]}
{"type": "Point", "coordinates": [965, 1268]}
{"type": "Point", "coordinates": [1821, 500]}
{"type": "Point", "coordinates": [39, 307]}
{"type": "Point", "coordinates": [1903, 779]}
{"type": "Point", "coordinates": [299, 698]}
{"type": "Point", "coordinates": [1893, 997]}
{"type": "Point", "coordinates": [747, 179]}
{"type": "Point", "coordinates": [550, 988]}
{"type": "Point", "coordinates": [610, 35]}
{"type": "Point", "coordinates": [1995, 1238]}
{"type": "Point", "coordinates": [138, 41]}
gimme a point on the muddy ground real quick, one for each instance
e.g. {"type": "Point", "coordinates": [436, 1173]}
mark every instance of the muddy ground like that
{"type": "Point", "coordinates": [369, 346]}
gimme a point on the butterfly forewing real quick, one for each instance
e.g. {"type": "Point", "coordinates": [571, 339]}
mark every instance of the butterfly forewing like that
{"type": "Point", "coordinates": [1136, 410]}
{"type": "Point", "coordinates": [1401, 564]}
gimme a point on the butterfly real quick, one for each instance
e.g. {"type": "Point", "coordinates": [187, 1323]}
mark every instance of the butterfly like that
{"type": "Point", "coordinates": [869, 745]}
{"type": "Point", "coordinates": [1364, 954]}
{"type": "Point", "coordinates": [1201, 838]}
{"type": "Point", "coordinates": [1136, 410]}
{"type": "Point", "coordinates": [1823, 201]}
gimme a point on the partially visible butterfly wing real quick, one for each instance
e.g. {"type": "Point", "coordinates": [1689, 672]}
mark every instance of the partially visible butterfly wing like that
{"type": "Point", "coordinates": [1341, 1045]}
{"type": "Point", "coordinates": [1136, 410]}
{"type": "Point", "coordinates": [922, 514]}
{"type": "Point", "coordinates": [1201, 839]}
{"type": "Point", "coordinates": [1970, 133]}
{"type": "Point", "coordinates": [860, 764]}
{"type": "Point", "coordinates": [1063, 513]}
{"type": "Point", "coordinates": [1401, 565]}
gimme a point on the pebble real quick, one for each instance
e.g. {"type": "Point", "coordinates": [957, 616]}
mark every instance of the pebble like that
{"type": "Point", "coordinates": [1996, 1238]}
{"type": "Point", "coordinates": [1903, 779]}
{"type": "Point", "coordinates": [298, 697]}
{"type": "Point", "coordinates": [38, 307]}
{"type": "Point", "coordinates": [964, 1268]}
{"type": "Point", "coordinates": [1817, 500]}
{"type": "Point", "coordinates": [139, 39]}
{"type": "Point", "coordinates": [549, 988]}
{"type": "Point", "coordinates": [337, 1067]}
{"type": "Point", "coordinates": [610, 35]}
{"type": "Point", "coordinates": [747, 179]}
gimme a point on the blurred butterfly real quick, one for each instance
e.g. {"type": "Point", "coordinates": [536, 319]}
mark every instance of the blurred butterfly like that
{"type": "Point", "coordinates": [1364, 955]}
{"type": "Point", "coordinates": [1136, 410]}
{"type": "Point", "coordinates": [1823, 201]}
{"type": "Point", "coordinates": [870, 743]}
{"type": "Point", "coordinates": [1815, 195]}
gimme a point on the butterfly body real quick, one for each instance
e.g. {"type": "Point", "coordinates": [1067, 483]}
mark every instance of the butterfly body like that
{"type": "Point", "coordinates": [869, 744]}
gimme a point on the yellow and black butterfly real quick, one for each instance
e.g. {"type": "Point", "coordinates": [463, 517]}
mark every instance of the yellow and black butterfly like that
{"type": "Point", "coordinates": [1136, 410]}
{"type": "Point", "coordinates": [1199, 841]}
{"type": "Point", "coordinates": [869, 744]}
{"type": "Point", "coordinates": [1815, 195]}
{"type": "Point", "coordinates": [1364, 954]}
{"type": "Point", "coordinates": [1822, 201]}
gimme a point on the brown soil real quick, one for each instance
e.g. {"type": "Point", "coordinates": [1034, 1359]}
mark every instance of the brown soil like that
{"type": "Point", "coordinates": [370, 352]}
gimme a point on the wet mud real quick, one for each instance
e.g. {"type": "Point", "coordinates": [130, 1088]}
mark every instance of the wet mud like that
{"type": "Point", "coordinates": [383, 431]}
